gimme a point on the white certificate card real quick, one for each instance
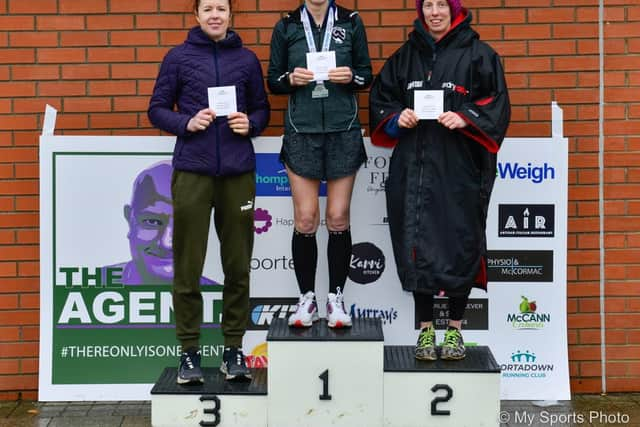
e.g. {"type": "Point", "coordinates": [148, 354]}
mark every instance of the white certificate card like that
{"type": "Point", "coordinates": [428, 104]}
{"type": "Point", "coordinates": [320, 63]}
{"type": "Point", "coordinates": [222, 100]}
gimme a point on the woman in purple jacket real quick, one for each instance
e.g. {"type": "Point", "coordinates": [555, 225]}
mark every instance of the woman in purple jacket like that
{"type": "Point", "coordinates": [214, 167]}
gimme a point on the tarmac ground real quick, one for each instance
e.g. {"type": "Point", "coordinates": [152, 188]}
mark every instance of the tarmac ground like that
{"type": "Point", "coordinates": [621, 409]}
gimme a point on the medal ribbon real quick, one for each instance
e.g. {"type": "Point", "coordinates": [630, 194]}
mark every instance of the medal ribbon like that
{"type": "Point", "coordinates": [326, 41]}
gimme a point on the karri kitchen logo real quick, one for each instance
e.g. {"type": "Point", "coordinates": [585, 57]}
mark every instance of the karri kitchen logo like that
{"type": "Point", "coordinates": [526, 220]}
{"type": "Point", "coordinates": [520, 266]}
{"type": "Point", "coordinates": [261, 221]}
{"type": "Point", "coordinates": [525, 364]}
{"type": "Point", "coordinates": [367, 263]}
{"type": "Point", "coordinates": [528, 317]}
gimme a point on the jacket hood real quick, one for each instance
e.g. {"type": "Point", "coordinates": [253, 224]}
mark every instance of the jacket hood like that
{"type": "Point", "coordinates": [460, 33]}
{"type": "Point", "coordinates": [198, 37]}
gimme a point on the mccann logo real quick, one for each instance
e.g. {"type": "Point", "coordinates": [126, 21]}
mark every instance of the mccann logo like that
{"type": "Point", "coordinates": [265, 310]}
{"type": "Point", "coordinates": [528, 317]}
{"type": "Point", "coordinates": [367, 263]}
{"type": "Point", "coordinates": [520, 266]}
{"type": "Point", "coordinates": [525, 364]}
{"type": "Point", "coordinates": [526, 220]}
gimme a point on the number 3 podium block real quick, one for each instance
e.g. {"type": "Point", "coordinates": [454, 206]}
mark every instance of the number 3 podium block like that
{"type": "Point", "coordinates": [325, 377]}
{"type": "Point", "coordinates": [463, 393]}
{"type": "Point", "coordinates": [215, 403]}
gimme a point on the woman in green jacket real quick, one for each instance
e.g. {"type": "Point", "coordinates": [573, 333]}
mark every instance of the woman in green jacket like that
{"type": "Point", "coordinates": [322, 138]}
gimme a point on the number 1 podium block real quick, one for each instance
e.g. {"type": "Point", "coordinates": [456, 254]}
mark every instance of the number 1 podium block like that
{"type": "Point", "coordinates": [462, 393]}
{"type": "Point", "coordinates": [324, 377]}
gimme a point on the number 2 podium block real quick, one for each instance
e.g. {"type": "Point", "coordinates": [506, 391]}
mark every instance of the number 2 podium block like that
{"type": "Point", "coordinates": [324, 377]}
{"type": "Point", "coordinates": [462, 393]}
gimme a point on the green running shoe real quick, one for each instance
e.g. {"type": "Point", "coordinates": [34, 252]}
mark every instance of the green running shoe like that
{"type": "Point", "coordinates": [426, 346]}
{"type": "Point", "coordinates": [453, 345]}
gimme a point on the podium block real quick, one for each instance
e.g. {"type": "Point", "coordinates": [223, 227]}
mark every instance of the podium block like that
{"type": "Point", "coordinates": [215, 403]}
{"type": "Point", "coordinates": [441, 393]}
{"type": "Point", "coordinates": [324, 377]}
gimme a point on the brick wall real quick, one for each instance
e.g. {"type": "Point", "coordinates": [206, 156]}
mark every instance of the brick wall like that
{"type": "Point", "coordinates": [96, 62]}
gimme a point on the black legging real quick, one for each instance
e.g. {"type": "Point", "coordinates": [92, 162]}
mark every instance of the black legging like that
{"type": "Point", "coordinates": [424, 306]}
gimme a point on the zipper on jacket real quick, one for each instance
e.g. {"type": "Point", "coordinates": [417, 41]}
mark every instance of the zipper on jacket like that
{"type": "Point", "coordinates": [418, 200]}
{"type": "Point", "coordinates": [421, 172]}
{"type": "Point", "coordinates": [215, 62]}
{"type": "Point", "coordinates": [433, 63]}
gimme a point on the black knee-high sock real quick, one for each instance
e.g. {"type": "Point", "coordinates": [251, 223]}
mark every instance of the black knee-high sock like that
{"type": "Point", "coordinates": [423, 306]}
{"type": "Point", "coordinates": [457, 306]}
{"type": "Point", "coordinates": [339, 256]}
{"type": "Point", "coordinates": [304, 249]}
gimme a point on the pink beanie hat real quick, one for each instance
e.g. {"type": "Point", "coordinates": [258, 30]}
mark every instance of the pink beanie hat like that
{"type": "Point", "coordinates": [454, 5]}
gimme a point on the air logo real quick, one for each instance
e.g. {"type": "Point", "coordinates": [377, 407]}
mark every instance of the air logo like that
{"type": "Point", "coordinates": [526, 220]}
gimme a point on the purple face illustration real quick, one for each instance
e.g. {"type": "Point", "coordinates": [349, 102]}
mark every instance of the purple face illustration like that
{"type": "Point", "coordinates": [150, 219]}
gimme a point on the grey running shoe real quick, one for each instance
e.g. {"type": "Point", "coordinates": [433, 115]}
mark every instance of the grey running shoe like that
{"type": "Point", "coordinates": [189, 371]}
{"type": "Point", "coordinates": [426, 346]}
{"type": "Point", "coordinates": [453, 345]}
{"type": "Point", "coordinates": [233, 364]}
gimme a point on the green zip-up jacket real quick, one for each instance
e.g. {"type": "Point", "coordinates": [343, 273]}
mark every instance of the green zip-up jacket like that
{"type": "Point", "coordinates": [339, 111]}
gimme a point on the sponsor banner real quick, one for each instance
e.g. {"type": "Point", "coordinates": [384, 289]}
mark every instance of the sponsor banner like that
{"type": "Point", "coordinates": [107, 322]}
{"type": "Point", "coordinates": [526, 220]}
{"type": "Point", "coordinates": [476, 315]}
{"type": "Point", "coordinates": [265, 310]}
{"type": "Point", "coordinates": [528, 316]}
{"type": "Point", "coordinates": [367, 263]}
{"type": "Point", "coordinates": [525, 365]}
{"type": "Point", "coordinates": [271, 177]}
{"type": "Point", "coordinates": [520, 266]}
{"type": "Point", "coordinates": [534, 172]}
{"type": "Point", "coordinates": [386, 314]}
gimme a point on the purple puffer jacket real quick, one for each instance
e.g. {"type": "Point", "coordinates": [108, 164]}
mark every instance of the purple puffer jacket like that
{"type": "Point", "coordinates": [185, 74]}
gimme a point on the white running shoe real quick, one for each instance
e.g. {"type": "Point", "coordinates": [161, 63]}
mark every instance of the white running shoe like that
{"type": "Point", "coordinates": [337, 316]}
{"type": "Point", "coordinates": [306, 312]}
